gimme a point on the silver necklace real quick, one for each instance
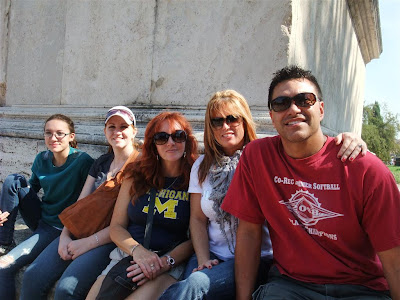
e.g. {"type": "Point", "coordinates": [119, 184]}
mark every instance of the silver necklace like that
{"type": "Point", "coordinates": [113, 170]}
{"type": "Point", "coordinates": [172, 183]}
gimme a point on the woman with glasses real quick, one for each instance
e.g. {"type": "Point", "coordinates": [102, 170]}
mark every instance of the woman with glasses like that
{"type": "Point", "coordinates": [163, 170]}
{"type": "Point", "coordinates": [210, 272]}
{"type": "Point", "coordinates": [61, 172]}
{"type": "Point", "coordinates": [76, 263]}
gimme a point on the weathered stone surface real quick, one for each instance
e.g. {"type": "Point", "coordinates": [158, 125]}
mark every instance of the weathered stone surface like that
{"type": "Point", "coordinates": [327, 44]}
{"type": "Point", "coordinates": [201, 47]}
{"type": "Point", "coordinates": [108, 52]}
{"type": "Point", "coordinates": [35, 52]}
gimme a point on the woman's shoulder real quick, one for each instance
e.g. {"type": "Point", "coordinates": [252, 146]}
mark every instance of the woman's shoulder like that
{"type": "Point", "coordinates": [81, 155]}
{"type": "Point", "coordinates": [198, 161]}
{"type": "Point", "coordinates": [104, 158]}
{"type": "Point", "coordinates": [45, 155]}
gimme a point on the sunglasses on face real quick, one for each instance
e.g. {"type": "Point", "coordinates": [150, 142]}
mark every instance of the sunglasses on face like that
{"type": "Point", "coordinates": [219, 122]}
{"type": "Point", "coordinates": [301, 100]}
{"type": "Point", "coordinates": [161, 138]}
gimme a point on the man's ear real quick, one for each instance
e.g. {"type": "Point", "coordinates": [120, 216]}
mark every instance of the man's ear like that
{"type": "Point", "coordinates": [270, 115]}
{"type": "Point", "coordinates": [321, 109]}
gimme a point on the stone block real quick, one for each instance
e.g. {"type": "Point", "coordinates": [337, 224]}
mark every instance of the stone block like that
{"type": "Point", "coordinates": [35, 52]}
{"type": "Point", "coordinates": [108, 52]}
{"type": "Point", "coordinates": [204, 46]}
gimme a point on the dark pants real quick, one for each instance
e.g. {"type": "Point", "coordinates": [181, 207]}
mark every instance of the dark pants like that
{"type": "Point", "coordinates": [22, 255]}
{"type": "Point", "coordinates": [281, 287]}
{"type": "Point", "coordinates": [17, 195]}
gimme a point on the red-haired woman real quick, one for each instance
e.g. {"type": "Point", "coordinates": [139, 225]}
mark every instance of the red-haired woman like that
{"type": "Point", "coordinates": [168, 153]}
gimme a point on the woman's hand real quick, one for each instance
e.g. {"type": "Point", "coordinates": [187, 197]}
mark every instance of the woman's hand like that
{"type": "Point", "coordinates": [208, 264]}
{"type": "Point", "coordinates": [63, 247]}
{"type": "Point", "coordinates": [137, 275]}
{"type": "Point", "coordinates": [78, 247]}
{"type": "Point", "coordinates": [149, 262]}
{"type": "Point", "coordinates": [352, 146]}
{"type": "Point", "coordinates": [3, 217]}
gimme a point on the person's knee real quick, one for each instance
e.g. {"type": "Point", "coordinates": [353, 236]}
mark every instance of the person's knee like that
{"type": "Point", "coordinates": [32, 285]}
{"type": "Point", "coordinates": [66, 289]}
{"type": "Point", "coordinates": [6, 261]}
{"type": "Point", "coordinates": [11, 182]}
{"type": "Point", "coordinates": [193, 287]}
{"type": "Point", "coordinates": [30, 274]}
{"type": "Point", "coordinates": [198, 282]}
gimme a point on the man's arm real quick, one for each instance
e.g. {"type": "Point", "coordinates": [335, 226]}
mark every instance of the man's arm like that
{"type": "Point", "coordinates": [390, 260]}
{"type": "Point", "coordinates": [247, 258]}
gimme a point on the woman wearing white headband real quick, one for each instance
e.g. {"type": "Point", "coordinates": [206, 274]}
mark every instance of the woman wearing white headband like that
{"type": "Point", "coordinates": [78, 262]}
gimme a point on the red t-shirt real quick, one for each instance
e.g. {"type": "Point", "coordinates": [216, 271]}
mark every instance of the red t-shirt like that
{"type": "Point", "coordinates": [327, 219]}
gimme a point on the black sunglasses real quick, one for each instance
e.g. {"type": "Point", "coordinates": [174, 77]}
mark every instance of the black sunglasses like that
{"type": "Point", "coordinates": [161, 138]}
{"type": "Point", "coordinates": [301, 100]}
{"type": "Point", "coordinates": [219, 122]}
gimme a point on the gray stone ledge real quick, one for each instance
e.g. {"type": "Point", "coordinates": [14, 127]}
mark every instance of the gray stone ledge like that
{"type": "Point", "coordinates": [27, 121]}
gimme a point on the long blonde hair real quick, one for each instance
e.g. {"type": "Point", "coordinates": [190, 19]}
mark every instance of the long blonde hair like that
{"type": "Point", "coordinates": [236, 104]}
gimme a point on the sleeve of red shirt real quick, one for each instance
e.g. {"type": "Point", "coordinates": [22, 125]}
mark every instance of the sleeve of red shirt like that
{"type": "Point", "coordinates": [381, 218]}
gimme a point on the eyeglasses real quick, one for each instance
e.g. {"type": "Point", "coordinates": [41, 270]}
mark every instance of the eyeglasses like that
{"type": "Point", "coordinates": [161, 138]}
{"type": "Point", "coordinates": [301, 100]}
{"type": "Point", "coordinates": [58, 135]}
{"type": "Point", "coordinates": [219, 122]}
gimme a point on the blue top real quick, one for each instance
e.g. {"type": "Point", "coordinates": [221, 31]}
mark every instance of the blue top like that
{"type": "Point", "coordinates": [171, 217]}
{"type": "Point", "coordinates": [61, 185]}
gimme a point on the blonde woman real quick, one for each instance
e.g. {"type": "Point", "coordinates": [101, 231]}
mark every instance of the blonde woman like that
{"type": "Point", "coordinates": [229, 127]}
{"type": "Point", "coordinates": [78, 262]}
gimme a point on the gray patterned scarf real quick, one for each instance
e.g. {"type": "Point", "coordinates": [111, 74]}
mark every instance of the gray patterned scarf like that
{"type": "Point", "coordinates": [221, 174]}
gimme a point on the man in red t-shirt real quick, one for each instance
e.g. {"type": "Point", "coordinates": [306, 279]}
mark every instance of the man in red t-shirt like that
{"type": "Point", "coordinates": [334, 225]}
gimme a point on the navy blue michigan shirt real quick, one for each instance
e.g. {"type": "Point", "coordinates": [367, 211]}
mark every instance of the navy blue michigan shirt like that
{"type": "Point", "coordinates": [171, 217]}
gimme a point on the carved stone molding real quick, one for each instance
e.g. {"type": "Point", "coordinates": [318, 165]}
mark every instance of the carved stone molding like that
{"type": "Point", "coordinates": [366, 22]}
{"type": "Point", "coordinates": [27, 121]}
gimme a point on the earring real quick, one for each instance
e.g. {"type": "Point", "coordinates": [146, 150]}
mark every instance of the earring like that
{"type": "Point", "coordinates": [157, 157]}
{"type": "Point", "coordinates": [184, 154]}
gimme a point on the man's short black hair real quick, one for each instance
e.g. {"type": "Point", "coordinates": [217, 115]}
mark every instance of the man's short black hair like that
{"type": "Point", "coordinates": [291, 72]}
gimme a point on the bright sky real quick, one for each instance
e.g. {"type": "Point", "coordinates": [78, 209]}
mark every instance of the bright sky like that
{"type": "Point", "coordinates": [383, 74]}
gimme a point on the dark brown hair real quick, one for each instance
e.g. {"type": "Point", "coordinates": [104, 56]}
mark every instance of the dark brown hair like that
{"type": "Point", "coordinates": [292, 72]}
{"type": "Point", "coordinates": [71, 126]}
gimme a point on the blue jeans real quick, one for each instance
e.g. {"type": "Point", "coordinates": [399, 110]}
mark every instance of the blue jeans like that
{"type": "Point", "coordinates": [283, 287]}
{"type": "Point", "coordinates": [17, 195]}
{"type": "Point", "coordinates": [22, 255]}
{"type": "Point", "coordinates": [77, 276]}
{"type": "Point", "coordinates": [216, 283]}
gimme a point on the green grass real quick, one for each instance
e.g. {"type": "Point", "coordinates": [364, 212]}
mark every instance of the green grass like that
{"type": "Point", "coordinates": [396, 172]}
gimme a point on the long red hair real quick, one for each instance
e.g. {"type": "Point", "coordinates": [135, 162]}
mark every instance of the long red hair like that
{"type": "Point", "coordinates": [147, 171]}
